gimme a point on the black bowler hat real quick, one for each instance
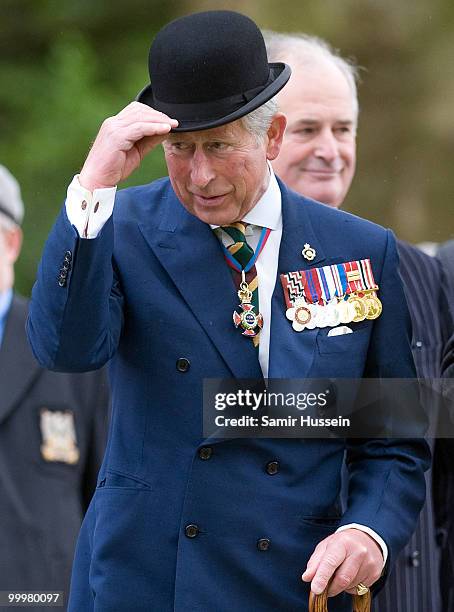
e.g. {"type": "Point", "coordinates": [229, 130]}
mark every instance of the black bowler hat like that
{"type": "Point", "coordinates": [210, 68]}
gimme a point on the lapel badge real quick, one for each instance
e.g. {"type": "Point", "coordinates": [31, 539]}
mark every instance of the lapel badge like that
{"type": "Point", "coordinates": [308, 252]}
{"type": "Point", "coordinates": [58, 434]}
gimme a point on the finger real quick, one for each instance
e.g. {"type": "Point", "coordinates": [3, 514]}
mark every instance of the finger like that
{"type": "Point", "coordinates": [141, 117]}
{"type": "Point", "coordinates": [314, 561]}
{"type": "Point", "coordinates": [125, 138]}
{"type": "Point", "coordinates": [347, 576]}
{"type": "Point", "coordinates": [137, 110]}
{"type": "Point", "coordinates": [152, 128]}
{"type": "Point", "coordinates": [335, 554]}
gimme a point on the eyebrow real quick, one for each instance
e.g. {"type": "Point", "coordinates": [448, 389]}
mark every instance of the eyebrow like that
{"type": "Point", "coordinates": [300, 122]}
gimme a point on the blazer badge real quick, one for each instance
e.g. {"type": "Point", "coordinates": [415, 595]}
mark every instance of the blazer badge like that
{"type": "Point", "coordinates": [58, 433]}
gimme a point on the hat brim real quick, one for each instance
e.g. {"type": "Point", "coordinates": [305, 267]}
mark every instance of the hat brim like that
{"type": "Point", "coordinates": [279, 75]}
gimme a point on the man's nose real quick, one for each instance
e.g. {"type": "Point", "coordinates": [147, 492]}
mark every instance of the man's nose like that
{"type": "Point", "coordinates": [326, 146]}
{"type": "Point", "coordinates": [201, 169]}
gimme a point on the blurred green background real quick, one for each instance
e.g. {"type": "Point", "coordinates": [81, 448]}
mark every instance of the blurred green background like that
{"type": "Point", "coordinates": [66, 65]}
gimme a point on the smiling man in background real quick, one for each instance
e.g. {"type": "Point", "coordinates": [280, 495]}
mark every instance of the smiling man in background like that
{"type": "Point", "coordinates": [318, 156]}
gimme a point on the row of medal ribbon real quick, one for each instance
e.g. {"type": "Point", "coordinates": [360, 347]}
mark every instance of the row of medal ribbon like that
{"type": "Point", "coordinates": [331, 295]}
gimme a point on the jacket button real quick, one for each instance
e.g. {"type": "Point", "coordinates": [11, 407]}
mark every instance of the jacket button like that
{"type": "Point", "coordinates": [68, 256]}
{"type": "Point", "coordinates": [263, 544]}
{"type": "Point", "coordinates": [272, 468]}
{"type": "Point", "coordinates": [413, 559]}
{"type": "Point", "coordinates": [191, 531]}
{"type": "Point", "coordinates": [205, 452]}
{"type": "Point", "coordinates": [183, 364]}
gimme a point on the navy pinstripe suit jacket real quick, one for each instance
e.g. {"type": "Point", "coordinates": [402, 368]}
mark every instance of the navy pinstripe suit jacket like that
{"type": "Point", "coordinates": [413, 585]}
{"type": "Point", "coordinates": [444, 450]}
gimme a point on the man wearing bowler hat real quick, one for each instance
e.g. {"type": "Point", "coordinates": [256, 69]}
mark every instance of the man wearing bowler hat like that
{"type": "Point", "coordinates": [179, 522]}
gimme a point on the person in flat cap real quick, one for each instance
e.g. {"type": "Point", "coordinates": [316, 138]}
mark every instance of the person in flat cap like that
{"type": "Point", "coordinates": [180, 521]}
{"type": "Point", "coordinates": [53, 430]}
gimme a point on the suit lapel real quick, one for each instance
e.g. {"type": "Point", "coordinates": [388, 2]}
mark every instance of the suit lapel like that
{"type": "Point", "coordinates": [190, 253]}
{"type": "Point", "coordinates": [292, 353]}
{"type": "Point", "coordinates": [18, 367]}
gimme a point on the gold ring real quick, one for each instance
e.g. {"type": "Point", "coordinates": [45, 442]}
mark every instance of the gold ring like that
{"type": "Point", "coordinates": [361, 589]}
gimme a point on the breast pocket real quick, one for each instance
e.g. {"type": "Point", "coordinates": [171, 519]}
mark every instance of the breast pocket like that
{"type": "Point", "coordinates": [358, 340]}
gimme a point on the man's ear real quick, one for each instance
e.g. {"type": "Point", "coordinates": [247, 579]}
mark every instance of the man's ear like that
{"type": "Point", "coordinates": [275, 135]}
{"type": "Point", "coordinates": [13, 242]}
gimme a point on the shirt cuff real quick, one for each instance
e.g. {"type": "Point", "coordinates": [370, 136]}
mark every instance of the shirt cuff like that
{"type": "Point", "coordinates": [88, 211]}
{"type": "Point", "coordinates": [373, 535]}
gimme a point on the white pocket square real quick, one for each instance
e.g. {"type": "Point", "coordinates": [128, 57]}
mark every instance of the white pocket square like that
{"type": "Point", "coordinates": [340, 331]}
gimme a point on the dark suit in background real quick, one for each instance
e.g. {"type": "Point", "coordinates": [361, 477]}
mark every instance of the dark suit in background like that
{"type": "Point", "coordinates": [414, 583]}
{"type": "Point", "coordinates": [444, 456]}
{"type": "Point", "coordinates": [42, 501]}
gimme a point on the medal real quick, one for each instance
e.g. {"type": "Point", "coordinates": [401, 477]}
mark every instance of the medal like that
{"type": "Point", "coordinates": [360, 308]}
{"type": "Point", "coordinates": [300, 314]}
{"type": "Point", "coordinates": [322, 319]}
{"type": "Point", "coordinates": [332, 314]}
{"type": "Point", "coordinates": [314, 320]}
{"type": "Point", "coordinates": [248, 320]}
{"type": "Point", "coordinates": [331, 295]}
{"type": "Point", "coordinates": [346, 311]}
{"type": "Point", "coordinates": [303, 315]}
{"type": "Point", "coordinates": [374, 307]}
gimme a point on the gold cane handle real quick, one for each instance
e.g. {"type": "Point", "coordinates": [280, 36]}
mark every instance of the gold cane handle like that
{"type": "Point", "coordinates": [319, 603]}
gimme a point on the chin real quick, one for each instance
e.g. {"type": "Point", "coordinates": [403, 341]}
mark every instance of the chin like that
{"type": "Point", "coordinates": [213, 217]}
{"type": "Point", "coordinates": [328, 198]}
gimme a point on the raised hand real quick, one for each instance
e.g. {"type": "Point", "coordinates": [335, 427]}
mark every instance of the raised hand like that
{"type": "Point", "coordinates": [121, 144]}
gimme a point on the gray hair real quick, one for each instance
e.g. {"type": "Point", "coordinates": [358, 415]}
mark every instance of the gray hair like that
{"type": "Point", "coordinates": [259, 120]}
{"type": "Point", "coordinates": [302, 49]}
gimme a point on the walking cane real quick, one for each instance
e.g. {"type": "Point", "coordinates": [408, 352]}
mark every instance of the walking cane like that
{"type": "Point", "coordinates": [319, 603]}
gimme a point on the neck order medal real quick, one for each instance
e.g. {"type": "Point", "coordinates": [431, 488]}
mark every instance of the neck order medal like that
{"type": "Point", "coordinates": [248, 320]}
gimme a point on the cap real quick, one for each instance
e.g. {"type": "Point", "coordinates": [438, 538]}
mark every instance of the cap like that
{"type": "Point", "coordinates": [11, 204]}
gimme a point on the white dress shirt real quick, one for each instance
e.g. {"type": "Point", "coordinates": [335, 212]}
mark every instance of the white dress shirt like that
{"type": "Point", "coordinates": [88, 212]}
{"type": "Point", "coordinates": [266, 213]}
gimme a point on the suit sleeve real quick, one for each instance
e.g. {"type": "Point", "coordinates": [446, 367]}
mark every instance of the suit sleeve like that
{"type": "Point", "coordinates": [76, 311]}
{"type": "Point", "coordinates": [386, 484]}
